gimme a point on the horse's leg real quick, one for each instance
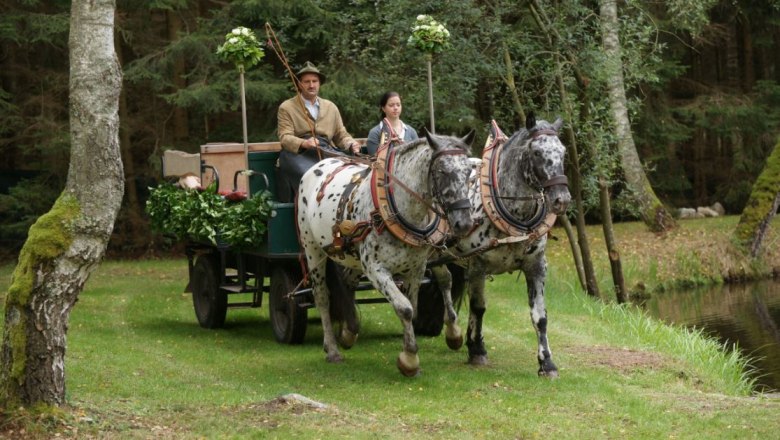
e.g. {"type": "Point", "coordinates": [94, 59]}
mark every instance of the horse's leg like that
{"type": "Point", "coordinates": [477, 306]}
{"type": "Point", "coordinates": [535, 274]}
{"type": "Point", "coordinates": [408, 361]}
{"type": "Point", "coordinates": [316, 261]}
{"type": "Point", "coordinates": [351, 325]}
{"type": "Point", "coordinates": [452, 333]}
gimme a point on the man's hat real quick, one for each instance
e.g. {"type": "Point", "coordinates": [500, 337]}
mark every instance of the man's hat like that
{"type": "Point", "coordinates": [310, 68]}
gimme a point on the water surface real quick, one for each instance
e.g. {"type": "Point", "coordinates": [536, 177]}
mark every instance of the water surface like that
{"type": "Point", "coordinates": [746, 314]}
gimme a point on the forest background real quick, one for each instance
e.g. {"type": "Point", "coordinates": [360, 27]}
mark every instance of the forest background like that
{"type": "Point", "coordinates": [703, 79]}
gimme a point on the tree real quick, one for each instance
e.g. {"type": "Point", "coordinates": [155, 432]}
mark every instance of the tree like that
{"type": "Point", "coordinates": [762, 205]}
{"type": "Point", "coordinates": [65, 245]}
{"type": "Point", "coordinates": [652, 211]}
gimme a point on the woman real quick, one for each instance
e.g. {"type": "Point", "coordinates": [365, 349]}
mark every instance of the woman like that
{"type": "Point", "coordinates": [390, 104]}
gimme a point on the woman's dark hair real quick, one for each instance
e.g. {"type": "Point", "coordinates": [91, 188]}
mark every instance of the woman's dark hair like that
{"type": "Point", "coordinates": [383, 101]}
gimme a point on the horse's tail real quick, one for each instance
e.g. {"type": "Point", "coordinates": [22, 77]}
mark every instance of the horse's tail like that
{"type": "Point", "coordinates": [342, 297]}
{"type": "Point", "coordinates": [458, 284]}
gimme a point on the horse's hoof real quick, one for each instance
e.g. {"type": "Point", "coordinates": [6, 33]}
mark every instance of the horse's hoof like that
{"type": "Point", "coordinates": [478, 360]}
{"type": "Point", "coordinates": [548, 369]}
{"type": "Point", "coordinates": [335, 358]}
{"type": "Point", "coordinates": [408, 364]}
{"type": "Point", "coordinates": [347, 339]}
{"type": "Point", "coordinates": [455, 343]}
{"type": "Point", "coordinates": [453, 337]}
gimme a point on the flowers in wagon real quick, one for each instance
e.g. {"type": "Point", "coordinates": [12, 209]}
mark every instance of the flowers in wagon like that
{"type": "Point", "coordinates": [241, 48]}
{"type": "Point", "coordinates": [428, 35]}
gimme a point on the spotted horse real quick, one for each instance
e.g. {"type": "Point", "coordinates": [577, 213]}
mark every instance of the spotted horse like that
{"type": "Point", "coordinates": [520, 189]}
{"type": "Point", "coordinates": [383, 220]}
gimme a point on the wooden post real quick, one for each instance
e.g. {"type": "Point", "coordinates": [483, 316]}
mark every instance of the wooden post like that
{"type": "Point", "coordinates": [428, 59]}
{"type": "Point", "coordinates": [243, 123]}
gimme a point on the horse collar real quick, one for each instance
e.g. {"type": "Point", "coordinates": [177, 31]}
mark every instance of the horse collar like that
{"type": "Point", "coordinates": [489, 187]}
{"type": "Point", "coordinates": [384, 203]}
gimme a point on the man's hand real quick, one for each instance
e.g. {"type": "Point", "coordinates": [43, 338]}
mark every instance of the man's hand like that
{"type": "Point", "coordinates": [354, 148]}
{"type": "Point", "coordinates": [309, 143]}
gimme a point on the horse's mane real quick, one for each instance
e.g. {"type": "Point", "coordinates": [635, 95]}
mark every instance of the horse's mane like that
{"type": "Point", "coordinates": [411, 145]}
{"type": "Point", "coordinates": [517, 144]}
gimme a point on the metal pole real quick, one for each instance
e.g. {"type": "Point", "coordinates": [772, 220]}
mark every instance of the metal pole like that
{"type": "Point", "coordinates": [430, 92]}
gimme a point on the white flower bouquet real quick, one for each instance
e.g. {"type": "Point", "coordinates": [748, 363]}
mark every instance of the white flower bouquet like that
{"type": "Point", "coordinates": [428, 35]}
{"type": "Point", "coordinates": [241, 48]}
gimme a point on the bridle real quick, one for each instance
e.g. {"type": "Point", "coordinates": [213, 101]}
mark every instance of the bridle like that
{"type": "Point", "coordinates": [382, 187]}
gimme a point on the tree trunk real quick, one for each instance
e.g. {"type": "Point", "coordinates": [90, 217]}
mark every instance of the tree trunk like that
{"type": "Point", "coordinates": [509, 79]}
{"type": "Point", "coordinates": [66, 244]}
{"type": "Point", "coordinates": [762, 205]}
{"type": "Point", "coordinates": [609, 239]}
{"type": "Point", "coordinates": [575, 249]}
{"type": "Point", "coordinates": [653, 212]}
{"type": "Point", "coordinates": [134, 223]}
{"type": "Point", "coordinates": [180, 118]}
{"type": "Point", "coordinates": [591, 282]}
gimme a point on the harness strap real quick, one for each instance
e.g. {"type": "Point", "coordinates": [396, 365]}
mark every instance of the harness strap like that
{"type": "Point", "coordinates": [489, 185]}
{"type": "Point", "coordinates": [385, 216]}
{"type": "Point", "coordinates": [348, 232]}
{"type": "Point", "coordinates": [329, 178]}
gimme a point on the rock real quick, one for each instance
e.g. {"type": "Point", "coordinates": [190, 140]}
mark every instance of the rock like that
{"type": "Point", "coordinates": [717, 207]}
{"type": "Point", "coordinates": [706, 211]}
{"type": "Point", "coordinates": [684, 213]}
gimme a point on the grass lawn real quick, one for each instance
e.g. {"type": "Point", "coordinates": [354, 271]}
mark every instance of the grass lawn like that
{"type": "Point", "coordinates": [139, 366]}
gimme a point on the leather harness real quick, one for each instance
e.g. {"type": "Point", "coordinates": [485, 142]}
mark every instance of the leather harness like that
{"type": "Point", "coordinates": [347, 232]}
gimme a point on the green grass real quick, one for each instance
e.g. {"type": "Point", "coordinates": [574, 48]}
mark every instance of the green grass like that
{"type": "Point", "coordinates": [139, 366]}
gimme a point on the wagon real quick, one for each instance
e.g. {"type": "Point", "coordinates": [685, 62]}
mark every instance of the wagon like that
{"type": "Point", "coordinates": [219, 273]}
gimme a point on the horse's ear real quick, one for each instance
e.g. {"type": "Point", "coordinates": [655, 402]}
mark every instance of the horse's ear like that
{"type": "Point", "coordinates": [469, 138]}
{"type": "Point", "coordinates": [429, 136]}
{"type": "Point", "coordinates": [530, 121]}
{"type": "Point", "coordinates": [558, 124]}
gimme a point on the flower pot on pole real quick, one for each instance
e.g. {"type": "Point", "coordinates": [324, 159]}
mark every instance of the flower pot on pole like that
{"type": "Point", "coordinates": [243, 50]}
{"type": "Point", "coordinates": [430, 37]}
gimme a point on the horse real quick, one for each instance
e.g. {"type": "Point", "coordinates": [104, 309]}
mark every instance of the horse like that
{"type": "Point", "coordinates": [382, 220]}
{"type": "Point", "coordinates": [520, 190]}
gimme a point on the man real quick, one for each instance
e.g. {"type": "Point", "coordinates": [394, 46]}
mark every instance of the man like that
{"type": "Point", "coordinates": [307, 122]}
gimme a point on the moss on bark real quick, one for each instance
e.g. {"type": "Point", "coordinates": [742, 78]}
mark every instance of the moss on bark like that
{"type": "Point", "coordinates": [49, 237]}
{"type": "Point", "coordinates": [762, 203]}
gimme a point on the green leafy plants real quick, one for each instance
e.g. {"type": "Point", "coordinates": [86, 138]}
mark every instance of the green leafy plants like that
{"type": "Point", "coordinates": [204, 215]}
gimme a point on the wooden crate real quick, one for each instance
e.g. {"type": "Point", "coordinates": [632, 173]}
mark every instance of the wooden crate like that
{"type": "Point", "coordinates": [227, 158]}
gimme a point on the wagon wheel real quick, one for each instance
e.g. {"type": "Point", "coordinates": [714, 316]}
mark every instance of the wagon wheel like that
{"type": "Point", "coordinates": [209, 300]}
{"type": "Point", "coordinates": [430, 309]}
{"type": "Point", "coordinates": [288, 318]}
{"type": "Point", "coordinates": [430, 302]}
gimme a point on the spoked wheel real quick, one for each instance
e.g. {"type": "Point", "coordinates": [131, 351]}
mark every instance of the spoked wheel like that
{"type": "Point", "coordinates": [288, 318]}
{"type": "Point", "coordinates": [430, 309]}
{"type": "Point", "coordinates": [209, 300]}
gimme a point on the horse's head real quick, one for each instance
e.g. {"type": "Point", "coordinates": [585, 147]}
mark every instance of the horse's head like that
{"type": "Point", "coordinates": [449, 172]}
{"type": "Point", "coordinates": [545, 170]}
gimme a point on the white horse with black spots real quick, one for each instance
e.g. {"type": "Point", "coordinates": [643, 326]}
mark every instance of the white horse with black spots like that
{"type": "Point", "coordinates": [383, 220]}
{"type": "Point", "coordinates": [520, 190]}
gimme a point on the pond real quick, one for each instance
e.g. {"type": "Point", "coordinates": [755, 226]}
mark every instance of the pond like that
{"type": "Point", "coordinates": [746, 314]}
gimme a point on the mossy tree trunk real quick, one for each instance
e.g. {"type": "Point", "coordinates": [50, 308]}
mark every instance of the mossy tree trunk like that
{"type": "Point", "coordinates": [67, 243]}
{"type": "Point", "coordinates": [762, 205]}
{"type": "Point", "coordinates": [653, 212]}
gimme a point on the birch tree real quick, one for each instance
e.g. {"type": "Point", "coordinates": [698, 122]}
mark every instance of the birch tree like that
{"type": "Point", "coordinates": [652, 211]}
{"type": "Point", "coordinates": [66, 244]}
